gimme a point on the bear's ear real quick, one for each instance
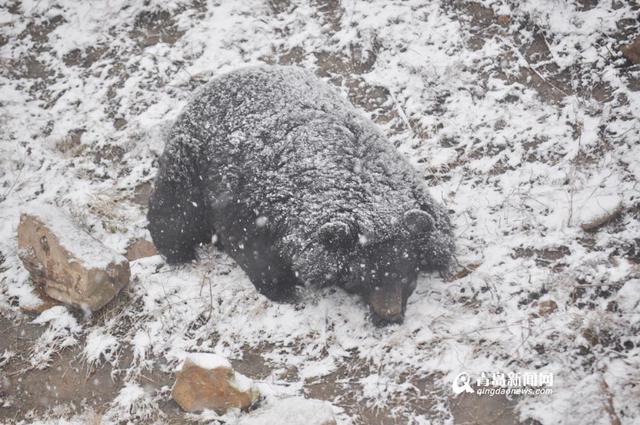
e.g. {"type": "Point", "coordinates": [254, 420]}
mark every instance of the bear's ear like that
{"type": "Point", "coordinates": [418, 221]}
{"type": "Point", "coordinates": [336, 235]}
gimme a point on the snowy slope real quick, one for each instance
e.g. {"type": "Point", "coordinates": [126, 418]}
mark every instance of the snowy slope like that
{"type": "Point", "coordinates": [523, 117]}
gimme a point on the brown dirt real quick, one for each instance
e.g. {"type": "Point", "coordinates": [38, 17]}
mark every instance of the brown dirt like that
{"type": "Point", "coordinates": [70, 386]}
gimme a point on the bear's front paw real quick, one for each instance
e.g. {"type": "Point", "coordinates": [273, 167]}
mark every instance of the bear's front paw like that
{"type": "Point", "coordinates": [180, 256]}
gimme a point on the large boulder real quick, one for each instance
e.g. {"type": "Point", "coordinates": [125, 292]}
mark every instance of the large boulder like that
{"type": "Point", "coordinates": [66, 262]}
{"type": "Point", "coordinates": [208, 381]}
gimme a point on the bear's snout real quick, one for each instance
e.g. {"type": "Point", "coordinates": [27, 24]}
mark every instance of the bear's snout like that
{"type": "Point", "coordinates": [388, 303]}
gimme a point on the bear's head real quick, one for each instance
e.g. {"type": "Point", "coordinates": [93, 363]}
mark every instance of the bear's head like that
{"type": "Point", "coordinates": [383, 270]}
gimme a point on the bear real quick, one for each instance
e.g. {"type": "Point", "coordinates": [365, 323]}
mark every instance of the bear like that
{"type": "Point", "coordinates": [299, 188]}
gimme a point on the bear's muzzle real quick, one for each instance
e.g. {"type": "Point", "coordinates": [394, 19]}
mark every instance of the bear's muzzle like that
{"type": "Point", "coordinates": [388, 303]}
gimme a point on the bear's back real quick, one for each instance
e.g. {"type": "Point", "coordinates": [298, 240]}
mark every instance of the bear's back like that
{"type": "Point", "coordinates": [275, 137]}
{"type": "Point", "coordinates": [250, 98]}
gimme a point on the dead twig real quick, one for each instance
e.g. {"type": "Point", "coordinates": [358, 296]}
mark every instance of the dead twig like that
{"type": "Point", "coordinates": [614, 419]}
{"type": "Point", "coordinates": [466, 270]}
{"type": "Point", "coordinates": [403, 116]}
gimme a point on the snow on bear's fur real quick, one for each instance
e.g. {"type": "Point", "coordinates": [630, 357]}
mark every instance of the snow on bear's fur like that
{"type": "Point", "coordinates": [299, 188]}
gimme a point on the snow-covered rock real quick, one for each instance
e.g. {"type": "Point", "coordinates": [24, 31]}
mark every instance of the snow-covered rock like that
{"type": "Point", "coordinates": [600, 211]}
{"type": "Point", "coordinates": [70, 265]}
{"type": "Point", "coordinates": [293, 411]}
{"type": "Point", "coordinates": [207, 381]}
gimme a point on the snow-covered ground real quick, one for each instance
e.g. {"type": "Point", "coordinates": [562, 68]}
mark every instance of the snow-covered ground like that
{"type": "Point", "coordinates": [523, 117]}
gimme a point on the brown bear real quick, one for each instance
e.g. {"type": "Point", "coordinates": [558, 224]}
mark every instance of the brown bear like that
{"type": "Point", "coordinates": [299, 188]}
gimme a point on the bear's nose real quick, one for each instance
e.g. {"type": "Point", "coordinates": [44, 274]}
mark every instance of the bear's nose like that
{"type": "Point", "coordinates": [379, 320]}
{"type": "Point", "coordinates": [388, 304]}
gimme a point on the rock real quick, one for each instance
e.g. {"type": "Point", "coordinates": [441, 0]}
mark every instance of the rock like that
{"type": "Point", "coordinates": [547, 307]}
{"type": "Point", "coordinates": [140, 248]}
{"type": "Point", "coordinates": [504, 19]}
{"type": "Point", "coordinates": [68, 264]}
{"type": "Point", "coordinates": [207, 381]}
{"type": "Point", "coordinates": [293, 411]}
{"type": "Point", "coordinates": [593, 218]}
{"type": "Point", "coordinates": [631, 51]}
{"type": "Point", "coordinates": [142, 193]}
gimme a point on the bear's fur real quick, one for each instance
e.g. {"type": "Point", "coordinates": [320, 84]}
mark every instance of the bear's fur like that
{"type": "Point", "coordinates": [299, 188]}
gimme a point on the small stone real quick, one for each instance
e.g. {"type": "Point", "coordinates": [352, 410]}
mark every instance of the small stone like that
{"type": "Point", "coordinates": [67, 263]}
{"type": "Point", "coordinates": [71, 145]}
{"type": "Point", "coordinates": [140, 248]}
{"type": "Point", "coordinates": [631, 51]}
{"type": "Point", "coordinates": [207, 381]}
{"type": "Point", "coordinates": [547, 307]}
{"type": "Point", "coordinates": [119, 123]}
{"type": "Point", "coordinates": [591, 335]}
{"type": "Point", "coordinates": [595, 219]}
{"type": "Point", "coordinates": [292, 411]}
{"type": "Point", "coordinates": [142, 193]}
{"type": "Point", "coordinates": [504, 19]}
